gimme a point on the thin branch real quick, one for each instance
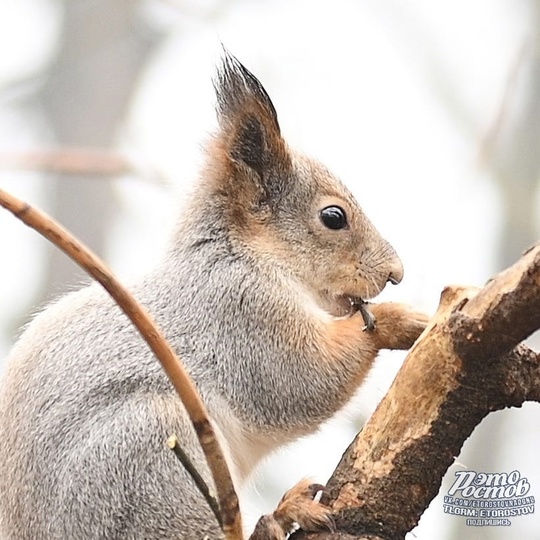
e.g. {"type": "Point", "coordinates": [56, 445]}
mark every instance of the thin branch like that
{"type": "Point", "coordinates": [79, 161]}
{"type": "Point", "coordinates": [179, 452]}
{"type": "Point", "coordinates": [60, 237]}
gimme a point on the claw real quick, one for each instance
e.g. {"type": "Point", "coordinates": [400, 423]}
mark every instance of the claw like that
{"type": "Point", "coordinates": [315, 489]}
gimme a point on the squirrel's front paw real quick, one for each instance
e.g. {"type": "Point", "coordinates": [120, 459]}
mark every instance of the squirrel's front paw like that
{"type": "Point", "coordinates": [398, 326]}
{"type": "Point", "coordinates": [299, 508]}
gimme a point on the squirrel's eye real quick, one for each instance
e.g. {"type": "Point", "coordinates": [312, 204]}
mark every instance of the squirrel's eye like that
{"type": "Point", "coordinates": [334, 217]}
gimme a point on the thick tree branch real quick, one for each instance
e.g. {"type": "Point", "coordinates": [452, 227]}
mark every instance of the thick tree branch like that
{"type": "Point", "coordinates": [505, 312]}
{"type": "Point", "coordinates": [467, 364]}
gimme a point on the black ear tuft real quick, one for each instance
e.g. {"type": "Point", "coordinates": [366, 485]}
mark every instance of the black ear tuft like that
{"type": "Point", "coordinates": [248, 124]}
{"type": "Point", "coordinates": [236, 87]}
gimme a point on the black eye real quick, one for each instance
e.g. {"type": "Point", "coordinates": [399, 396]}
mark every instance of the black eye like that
{"type": "Point", "coordinates": [334, 217]}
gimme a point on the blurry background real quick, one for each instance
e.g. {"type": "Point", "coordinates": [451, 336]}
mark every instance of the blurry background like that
{"type": "Point", "coordinates": [429, 111]}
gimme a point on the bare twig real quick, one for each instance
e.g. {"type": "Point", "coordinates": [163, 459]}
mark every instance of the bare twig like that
{"type": "Point", "coordinates": [84, 257]}
{"type": "Point", "coordinates": [180, 453]}
{"type": "Point", "coordinates": [68, 161]}
{"type": "Point", "coordinates": [78, 161]}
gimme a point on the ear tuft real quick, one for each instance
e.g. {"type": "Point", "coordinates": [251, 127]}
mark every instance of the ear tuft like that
{"type": "Point", "coordinates": [248, 124]}
{"type": "Point", "coordinates": [237, 88]}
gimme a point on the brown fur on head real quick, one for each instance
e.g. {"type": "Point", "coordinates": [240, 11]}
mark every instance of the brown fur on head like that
{"type": "Point", "coordinates": [274, 201]}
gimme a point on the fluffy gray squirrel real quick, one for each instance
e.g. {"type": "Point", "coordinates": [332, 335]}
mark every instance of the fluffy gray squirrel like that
{"type": "Point", "coordinates": [262, 292]}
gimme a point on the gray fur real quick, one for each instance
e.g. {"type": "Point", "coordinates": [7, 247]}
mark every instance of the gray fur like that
{"type": "Point", "coordinates": [85, 409]}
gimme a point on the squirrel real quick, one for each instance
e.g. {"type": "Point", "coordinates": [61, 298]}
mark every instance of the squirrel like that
{"type": "Point", "coordinates": [262, 293]}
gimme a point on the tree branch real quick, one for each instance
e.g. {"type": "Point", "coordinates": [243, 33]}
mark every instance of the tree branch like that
{"type": "Point", "coordinates": [79, 161]}
{"type": "Point", "coordinates": [505, 312]}
{"type": "Point", "coordinates": [464, 366]}
{"type": "Point", "coordinates": [184, 386]}
{"type": "Point", "coordinates": [179, 452]}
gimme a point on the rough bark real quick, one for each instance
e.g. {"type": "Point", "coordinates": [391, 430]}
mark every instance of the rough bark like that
{"type": "Point", "coordinates": [468, 363]}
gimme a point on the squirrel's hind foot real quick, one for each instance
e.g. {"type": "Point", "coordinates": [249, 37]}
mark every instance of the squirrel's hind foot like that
{"type": "Point", "coordinates": [299, 508]}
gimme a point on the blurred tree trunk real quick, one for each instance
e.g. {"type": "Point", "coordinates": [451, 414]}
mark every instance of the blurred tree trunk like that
{"type": "Point", "coordinates": [513, 157]}
{"type": "Point", "coordinates": [103, 46]}
{"type": "Point", "coordinates": [515, 150]}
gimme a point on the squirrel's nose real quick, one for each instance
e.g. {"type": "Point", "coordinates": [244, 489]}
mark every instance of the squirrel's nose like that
{"type": "Point", "coordinates": [396, 272]}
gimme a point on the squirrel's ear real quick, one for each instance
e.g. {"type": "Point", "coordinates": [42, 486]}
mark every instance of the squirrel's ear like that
{"type": "Point", "coordinates": [248, 122]}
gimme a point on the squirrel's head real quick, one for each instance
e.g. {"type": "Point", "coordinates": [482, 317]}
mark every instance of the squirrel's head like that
{"type": "Point", "coordinates": [288, 208]}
